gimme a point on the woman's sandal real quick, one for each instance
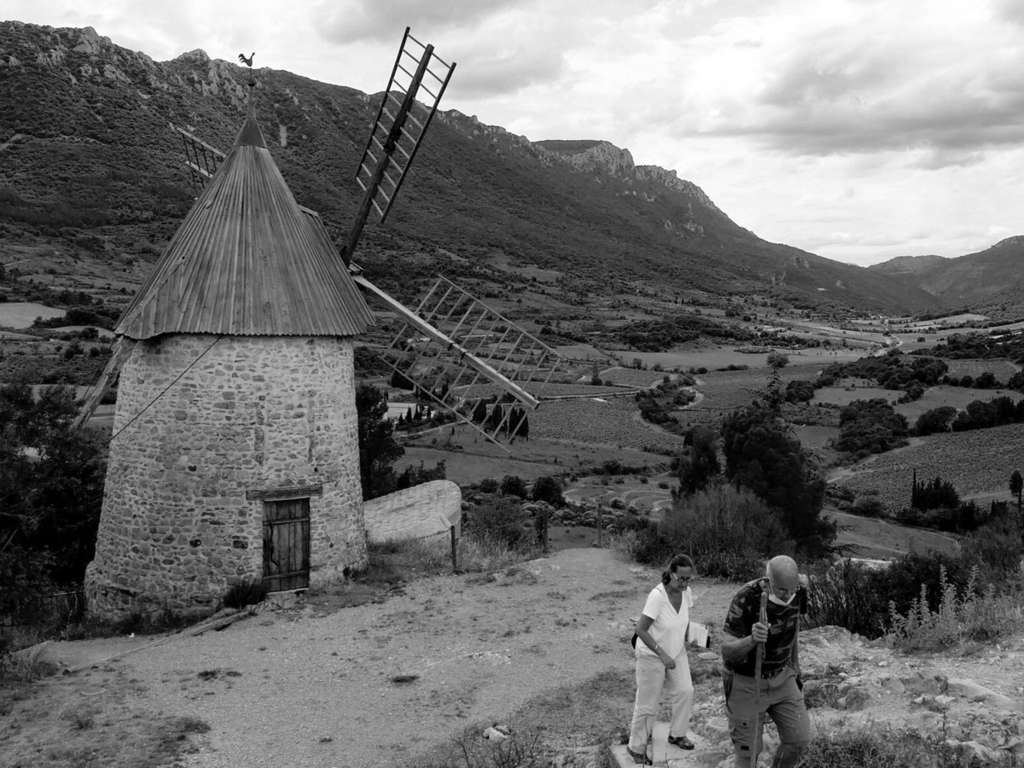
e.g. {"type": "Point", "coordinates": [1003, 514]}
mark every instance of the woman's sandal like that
{"type": "Point", "coordinates": [681, 741]}
{"type": "Point", "coordinates": [640, 758]}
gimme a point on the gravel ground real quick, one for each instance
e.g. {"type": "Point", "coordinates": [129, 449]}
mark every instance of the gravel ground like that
{"type": "Point", "coordinates": [302, 688]}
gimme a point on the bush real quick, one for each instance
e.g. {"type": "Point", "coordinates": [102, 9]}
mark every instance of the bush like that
{"type": "Point", "coordinates": [513, 485]}
{"type": "Point", "coordinates": [548, 489]}
{"type": "Point", "coordinates": [868, 506]}
{"type": "Point", "coordinates": [488, 485]}
{"type": "Point", "coordinates": [728, 532]}
{"type": "Point", "coordinates": [502, 521]}
{"type": "Point", "coordinates": [848, 595]}
{"type": "Point", "coordinates": [960, 614]}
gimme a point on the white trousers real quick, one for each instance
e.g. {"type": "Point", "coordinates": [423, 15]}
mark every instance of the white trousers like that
{"type": "Point", "coordinates": [652, 678]}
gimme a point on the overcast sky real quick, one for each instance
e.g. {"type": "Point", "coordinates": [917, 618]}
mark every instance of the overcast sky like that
{"type": "Point", "coordinates": [856, 129]}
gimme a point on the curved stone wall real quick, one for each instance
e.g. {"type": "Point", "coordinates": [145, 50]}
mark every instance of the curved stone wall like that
{"type": "Point", "coordinates": [206, 430]}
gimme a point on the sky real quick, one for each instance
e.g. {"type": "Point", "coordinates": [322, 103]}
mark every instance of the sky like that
{"type": "Point", "coordinates": [859, 130]}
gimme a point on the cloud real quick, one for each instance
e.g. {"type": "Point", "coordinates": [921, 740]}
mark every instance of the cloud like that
{"type": "Point", "coordinates": [353, 21]}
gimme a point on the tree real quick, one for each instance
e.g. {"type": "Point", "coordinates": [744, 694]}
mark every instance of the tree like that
{"type": "Point", "coordinates": [698, 464]}
{"type": "Point", "coordinates": [762, 455]}
{"type": "Point", "coordinates": [51, 486]}
{"type": "Point", "coordinates": [378, 449]}
{"type": "Point", "coordinates": [1017, 487]}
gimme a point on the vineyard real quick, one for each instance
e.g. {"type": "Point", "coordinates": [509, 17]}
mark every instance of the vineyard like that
{"type": "Point", "coordinates": [978, 462]}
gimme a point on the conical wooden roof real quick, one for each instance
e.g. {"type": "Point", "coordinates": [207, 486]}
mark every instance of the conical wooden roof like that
{"type": "Point", "coordinates": [247, 261]}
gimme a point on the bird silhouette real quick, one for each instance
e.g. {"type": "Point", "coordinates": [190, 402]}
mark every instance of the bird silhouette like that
{"type": "Point", "coordinates": [247, 60]}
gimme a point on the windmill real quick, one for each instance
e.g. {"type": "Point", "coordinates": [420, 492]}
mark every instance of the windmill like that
{"type": "Point", "coordinates": [235, 449]}
{"type": "Point", "coordinates": [453, 350]}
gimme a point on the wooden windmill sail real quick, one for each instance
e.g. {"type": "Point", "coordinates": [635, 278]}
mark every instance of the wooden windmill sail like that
{"type": "Point", "coordinates": [458, 353]}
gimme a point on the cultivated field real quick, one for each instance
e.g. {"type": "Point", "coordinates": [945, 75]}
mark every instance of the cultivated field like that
{"type": "Point", "coordinates": [1001, 369]}
{"type": "Point", "coordinates": [21, 314]}
{"type": "Point", "coordinates": [978, 463]}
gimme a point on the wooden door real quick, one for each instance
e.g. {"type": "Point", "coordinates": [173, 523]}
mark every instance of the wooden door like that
{"type": "Point", "coordinates": [286, 544]}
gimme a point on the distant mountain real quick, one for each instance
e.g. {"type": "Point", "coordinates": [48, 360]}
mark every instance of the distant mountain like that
{"type": "Point", "coordinates": [91, 171]}
{"type": "Point", "coordinates": [990, 281]}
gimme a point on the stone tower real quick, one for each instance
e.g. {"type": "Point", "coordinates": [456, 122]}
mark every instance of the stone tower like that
{"type": "Point", "coordinates": [235, 450]}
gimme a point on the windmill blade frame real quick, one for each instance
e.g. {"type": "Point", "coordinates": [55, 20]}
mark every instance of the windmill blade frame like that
{"type": "Point", "coordinates": [396, 136]}
{"type": "Point", "coordinates": [202, 159]}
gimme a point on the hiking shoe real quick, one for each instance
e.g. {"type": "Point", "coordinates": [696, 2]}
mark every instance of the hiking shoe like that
{"type": "Point", "coordinates": [681, 741]}
{"type": "Point", "coordinates": [640, 758]}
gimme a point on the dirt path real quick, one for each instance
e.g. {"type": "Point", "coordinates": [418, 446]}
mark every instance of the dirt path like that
{"type": "Point", "coordinates": [298, 688]}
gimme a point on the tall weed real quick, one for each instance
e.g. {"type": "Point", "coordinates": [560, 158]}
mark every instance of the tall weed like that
{"type": "Point", "coordinates": [962, 616]}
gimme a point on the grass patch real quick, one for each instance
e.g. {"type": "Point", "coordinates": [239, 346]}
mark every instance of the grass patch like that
{"type": "Point", "coordinates": [870, 749]}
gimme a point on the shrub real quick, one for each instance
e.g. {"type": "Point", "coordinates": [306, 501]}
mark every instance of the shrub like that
{"type": "Point", "coordinates": [728, 532]}
{"type": "Point", "coordinates": [868, 506]}
{"type": "Point", "coordinates": [548, 489]}
{"type": "Point", "coordinates": [848, 595]}
{"type": "Point", "coordinates": [959, 615]}
{"type": "Point", "coordinates": [513, 485]}
{"type": "Point", "coordinates": [488, 485]}
{"type": "Point", "coordinates": [502, 521]}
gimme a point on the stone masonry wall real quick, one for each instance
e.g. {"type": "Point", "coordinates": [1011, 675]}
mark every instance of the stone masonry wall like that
{"type": "Point", "coordinates": [189, 467]}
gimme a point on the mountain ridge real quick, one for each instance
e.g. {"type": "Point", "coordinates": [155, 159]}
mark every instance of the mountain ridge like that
{"type": "Point", "coordinates": [92, 162]}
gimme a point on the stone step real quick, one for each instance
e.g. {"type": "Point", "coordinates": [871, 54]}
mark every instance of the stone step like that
{"type": "Point", "coordinates": [664, 754]}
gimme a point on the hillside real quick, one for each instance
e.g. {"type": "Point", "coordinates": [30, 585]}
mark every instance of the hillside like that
{"type": "Point", "coordinates": [988, 281]}
{"type": "Point", "coordinates": [94, 180]}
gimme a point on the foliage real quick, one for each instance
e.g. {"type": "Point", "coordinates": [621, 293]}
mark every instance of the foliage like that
{"type": "Point", "coordinates": [977, 346]}
{"type": "Point", "coordinates": [378, 449]}
{"type": "Point", "coordinates": [799, 391]}
{"type": "Point", "coordinates": [51, 486]}
{"type": "Point", "coordinates": [729, 532]}
{"type": "Point", "coordinates": [981, 414]}
{"type": "Point", "coordinates": [961, 615]}
{"type": "Point", "coordinates": [935, 420]}
{"type": "Point", "coordinates": [870, 748]}
{"type": "Point", "coordinates": [513, 485]}
{"type": "Point", "coordinates": [1017, 487]}
{"type": "Point", "coordinates": [548, 489]}
{"type": "Point", "coordinates": [938, 493]}
{"type": "Point", "coordinates": [762, 455]}
{"type": "Point", "coordinates": [893, 370]}
{"type": "Point", "coordinates": [657, 404]}
{"type": "Point", "coordinates": [500, 519]}
{"type": "Point", "coordinates": [698, 465]}
{"type": "Point", "coordinates": [995, 546]}
{"type": "Point", "coordinates": [416, 475]}
{"type": "Point", "coordinates": [849, 595]}
{"type": "Point", "coordinates": [870, 426]}
{"type": "Point", "coordinates": [661, 335]}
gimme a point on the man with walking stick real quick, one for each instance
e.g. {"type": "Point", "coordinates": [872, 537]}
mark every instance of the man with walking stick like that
{"type": "Point", "coordinates": [762, 666]}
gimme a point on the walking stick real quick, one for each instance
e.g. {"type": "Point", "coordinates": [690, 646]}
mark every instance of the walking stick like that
{"type": "Point", "coordinates": [758, 658]}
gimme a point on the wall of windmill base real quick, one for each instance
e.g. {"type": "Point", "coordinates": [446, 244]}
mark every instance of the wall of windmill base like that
{"type": "Point", "coordinates": [207, 432]}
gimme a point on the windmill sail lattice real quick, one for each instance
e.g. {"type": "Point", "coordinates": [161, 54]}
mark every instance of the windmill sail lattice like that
{"type": "Point", "coordinates": [398, 129]}
{"type": "Point", "coordinates": [468, 358]}
{"type": "Point", "coordinates": [202, 159]}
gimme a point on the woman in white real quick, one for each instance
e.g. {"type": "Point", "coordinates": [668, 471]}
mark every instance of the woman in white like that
{"type": "Point", "coordinates": [661, 660]}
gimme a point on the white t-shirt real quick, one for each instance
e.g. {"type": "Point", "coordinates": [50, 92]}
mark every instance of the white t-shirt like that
{"type": "Point", "coordinates": [669, 626]}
